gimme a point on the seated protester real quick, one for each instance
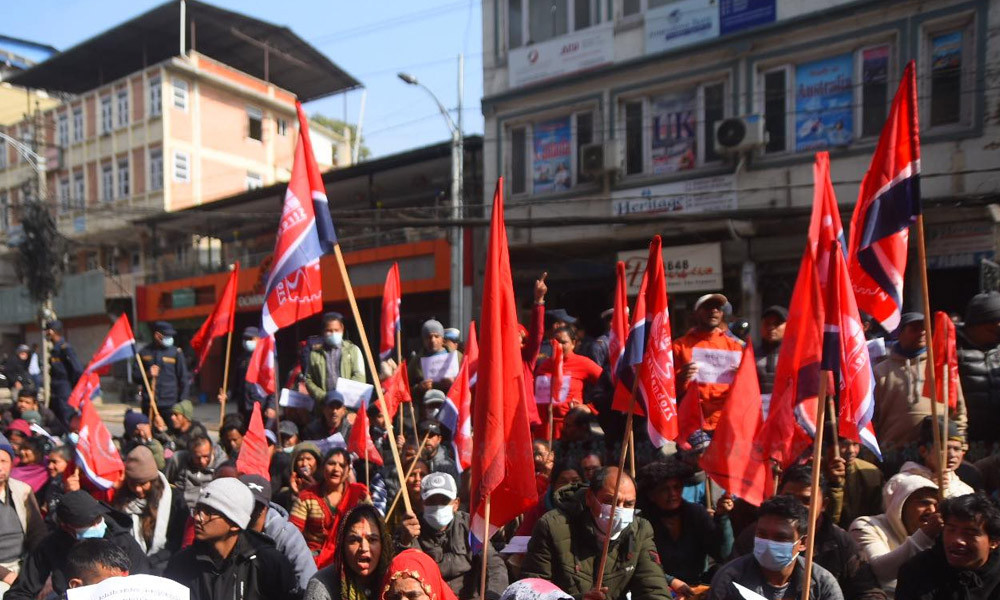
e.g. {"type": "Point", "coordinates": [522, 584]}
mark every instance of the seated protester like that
{"type": "Point", "coordinates": [685, 534]}
{"type": "Point", "coordinates": [288, 433]}
{"type": "Point", "coordinates": [78, 517]}
{"type": "Point", "coordinates": [320, 508]}
{"type": "Point", "coordinates": [228, 560]}
{"type": "Point", "coordinates": [27, 400]}
{"type": "Point", "coordinates": [562, 475]}
{"type": "Point", "coordinates": [17, 431]}
{"type": "Point", "coordinates": [590, 465]}
{"type": "Point", "coordinates": [429, 407]}
{"type": "Point", "coordinates": [835, 550]}
{"type": "Point", "coordinates": [414, 575]}
{"type": "Point", "coordinates": [695, 488]}
{"type": "Point", "coordinates": [63, 477]}
{"type": "Point", "coordinates": [92, 561]}
{"type": "Point", "coordinates": [31, 467]}
{"type": "Point", "coordinates": [183, 426]}
{"type": "Point", "coordinates": [413, 483]}
{"type": "Point", "coordinates": [138, 432]}
{"type": "Point", "coordinates": [272, 520]}
{"type": "Point", "coordinates": [928, 466]}
{"type": "Point", "coordinates": [280, 466]}
{"type": "Point", "coordinates": [303, 474]}
{"type": "Point", "coordinates": [21, 525]}
{"type": "Point", "coordinates": [231, 434]}
{"type": "Point", "coordinates": [190, 470]}
{"type": "Point", "coordinates": [434, 453]}
{"type": "Point", "coordinates": [582, 373]}
{"type": "Point", "coordinates": [432, 336]}
{"type": "Point", "coordinates": [989, 468]}
{"type": "Point", "coordinates": [566, 544]}
{"type": "Point", "coordinates": [775, 568]}
{"type": "Point", "coordinates": [963, 563]}
{"type": "Point", "coordinates": [909, 526]}
{"type": "Point", "coordinates": [333, 419]}
{"type": "Point", "coordinates": [579, 437]}
{"type": "Point", "coordinates": [855, 485]}
{"type": "Point", "coordinates": [364, 550]}
{"type": "Point", "coordinates": [159, 515]}
{"type": "Point", "coordinates": [442, 532]}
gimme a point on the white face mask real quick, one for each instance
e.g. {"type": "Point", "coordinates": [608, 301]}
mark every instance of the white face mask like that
{"type": "Point", "coordinates": [250, 345]}
{"type": "Point", "coordinates": [439, 517]}
{"type": "Point", "coordinates": [623, 518]}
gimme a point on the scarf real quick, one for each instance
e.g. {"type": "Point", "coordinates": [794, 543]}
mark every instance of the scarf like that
{"type": "Point", "coordinates": [136, 507]}
{"type": "Point", "coordinates": [417, 565]}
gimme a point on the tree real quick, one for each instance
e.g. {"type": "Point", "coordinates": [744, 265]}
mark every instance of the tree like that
{"type": "Point", "coordinates": [339, 125]}
{"type": "Point", "coordinates": [40, 253]}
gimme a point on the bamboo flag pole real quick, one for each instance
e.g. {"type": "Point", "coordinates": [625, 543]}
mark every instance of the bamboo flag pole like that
{"type": "Point", "coordinates": [817, 499]}
{"type": "Point", "coordinates": [409, 471]}
{"type": "Point", "coordinates": [225, 378]}
{"type": "Point", "coordinates": [931, 375]}
{"type": "Point", "coordinates": [374, 369]}
{"type": "Point", "coordinates": [486, 549]}
{"type": "Point", "coordinates": [631, 453]}
{"type": "Point", "coordinates": [832, 408]}
{"type": "Point", "coordinates": [945, 380]}
{"type": "Point", "coordinates": [153, 411]}
{"type": "Point", "coordinates": [708, 492]}
{"type": "Point", "coordinates": [413, 419]}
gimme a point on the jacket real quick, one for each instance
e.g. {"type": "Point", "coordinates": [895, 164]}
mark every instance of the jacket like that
{"type": "Point", "coordinates": [928, 576]}
{"type": "Point", "coordinates": [168, 533]}
{"type": "Point", "coordinates": [28, 513]}
{"type": "Point", "coordinates": [701, 536]}
{"type": "Point", "coordinates": [49, 558]}
{"type": "Point", "coordinates": [979, 370]}
{"type": "Point", "coordinates": [289, 541]}
{"type": "Point", "coordinates": [952, 484]}
{"type": "Point", "coordinates": [173, 383]}
{"type": "Point", "coordinates": [860, 495]}
{"type": "Point", "coordinates": [566, 550]}
{"type": "Point", "coordinates": [746, 572]}
{"type": "Point", "coordinates": [900, 404]}
{"type": "Point", "coordinates": [716, 346]}
{"type": "Point", "coordinates": [883, 539]}
{"type": "Point", "coordinates": [351, 367]}
{"type": "Point", "coordinates": [254, 570]}
{"type": "Point", "coordinates": [460, 568]}
{"type": "Point", "coordinates": [441, 462]}
{"type": "Point", "coordinates": [64, 370]}
{"type": "Point", "coordinates": [187, 481]}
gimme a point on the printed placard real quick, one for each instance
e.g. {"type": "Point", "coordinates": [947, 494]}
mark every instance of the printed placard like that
{"type": "Point", "coordinates": [543, 389]}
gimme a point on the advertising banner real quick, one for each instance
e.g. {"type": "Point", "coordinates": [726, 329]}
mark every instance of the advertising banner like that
{"type": "Point", "coordinates": [552, 156]}
{"type": "Point", "coordinates": [824, 98]}
{"type": "Point", "coordinates": [675, 132]}
{"type": "Point", "coordinates": [680, 24]}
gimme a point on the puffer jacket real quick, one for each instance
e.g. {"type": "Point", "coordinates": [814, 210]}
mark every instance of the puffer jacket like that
{"type": "Point", "coordinates": [289, 541]}
{"type": "Point", "coordinates": [979, 369]}
{"type": "Point", "coordinates": [883, 539]}
{"type": "Point", "coordinates": [565, 549]}
{"type": "Point", "coordinates": [953, 486]}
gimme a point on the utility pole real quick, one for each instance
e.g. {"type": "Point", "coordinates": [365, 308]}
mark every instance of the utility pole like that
{"type": "Point", "coordinates": [458, 257]}
{"type": "Point", "coordinates": [45, 312]}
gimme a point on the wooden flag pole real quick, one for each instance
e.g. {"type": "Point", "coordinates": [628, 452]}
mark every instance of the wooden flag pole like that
{"type": "Point", "coordinates": [931, 375]}
{"type": "Point", "coordinates": [153, 411]}
{"type": "Point", "coordinates": [374, 369]}
{"type": "Point", "coordinates": [832, 408]}
{"type": "Point", "coordinates": [368, 480]}
{"type": "Point", "coordinates": [551, 423]}
{"type": "Point", "coordinates": [486, 549]}
{"type": "Point", "coordinates": [945, 380]}
{"type": "Point", "coordinates": [409, 471]}
{"type": "Point", "coordinates": [225, 378]}
{"type": "Point", "coordinates": [817, 498]}
{"type": "Point", "coordinates": [708, 492]}
{"type": "Point", "coordinates": [413, 418]}
{"type": "Point", "coordinates": [631, 453]}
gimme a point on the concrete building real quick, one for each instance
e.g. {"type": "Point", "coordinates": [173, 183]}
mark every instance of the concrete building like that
{"type": "Point", "coordinates": [177, 108]}
{"type": "Point", "coordinates": [602, 117]}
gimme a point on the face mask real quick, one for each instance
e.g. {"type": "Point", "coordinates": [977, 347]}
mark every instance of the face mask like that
{"type": "Point", "coordinates": [335, 338]}
{"type": "Point", "coordinates": [432, 413]}
{"type": "Point", "coordinates": [288, 449]}
{"type": "Point", "coordinates": [167, 341]}
{"type": "Point", "coordinates": [94, 531]}
{"type": "Point", "coordinates": [439, 516]}
{"type": "Point", "coordinates": [623, 518]}
{"type": "Point", "coordinates": [773, 556]}
{"type": "Point", "coordinates": [250, 345]}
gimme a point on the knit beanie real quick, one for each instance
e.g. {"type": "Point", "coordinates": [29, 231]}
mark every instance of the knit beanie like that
{"type": "Point", "coordinates": [140, 466]}
{"type": "Point", "coordinates": [184, 408]}
{"type": "Point", "coordinates": [231, 498]}
{"type": "Point", "coordinates": [6, 446]}
{"type": "Point", "coordinates": [133, 419]}
{"type": "Point", "coordinates": [432, 327]}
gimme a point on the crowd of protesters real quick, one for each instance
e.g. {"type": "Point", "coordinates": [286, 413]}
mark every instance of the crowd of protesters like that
{"type": "Point", "coordinates": [325, 525]}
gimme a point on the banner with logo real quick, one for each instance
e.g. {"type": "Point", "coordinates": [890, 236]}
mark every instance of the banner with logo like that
{"type": "Point", "coordinates": [552, 156]}
{"type": "Point", "coordinates": [675, 131]}
{"type": "Point", "coordinates": [680, 24]}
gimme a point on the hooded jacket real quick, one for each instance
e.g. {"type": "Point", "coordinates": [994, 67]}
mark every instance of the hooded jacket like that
{"type": "Point", "coordinates": [565, 548]}
{"type": "Point", "coordinates": [289, 541]}
{"type": "Point", "coordinates": [952, 484]}
{"type": "Point", "coordinates": [883, 539]}
{"type": "Point", "coordinates": [928, 576]}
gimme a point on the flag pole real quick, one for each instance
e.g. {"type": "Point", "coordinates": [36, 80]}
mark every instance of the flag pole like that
{"type": "Point", "coordinates": [225, 377]}
{"type": "Point", "coordinates": [374, 369]}
{"type": "Point", "coordinates": [832, 408]}
{"type": "Point", "coordinates": [931, 375]}
{"type": "Point", "coordinates": [551, 425]}
{"type": "Point", "coordinates": [486, 549]}
{"type": "Point", "coordinates": [413, 419]}
{"type": "Point", "coordinates": [817, 499]}
{"type": "Point", "coordinates": [153, 411]}
{"type": "Point", "coordinates": [708, 492]}
{"type": "Point", "coordinates": [945, 380]}
{"type": "Point", "coordinates": [409, 471]}
{"type": "Point", "coordinates": [631, 453]}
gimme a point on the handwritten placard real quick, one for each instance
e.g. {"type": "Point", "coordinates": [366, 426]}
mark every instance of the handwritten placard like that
{"type": "Point", "coordinates": [293, 399]}
{"type": "Point", "coordinates": [715, 365]}
{"type": "Point", "coordinates": [543, 389]}
{"type": "Point", "coordinates": [440, 366]}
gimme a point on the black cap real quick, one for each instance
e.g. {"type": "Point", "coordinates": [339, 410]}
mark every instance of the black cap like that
{"type": "Point", "coordinates": [910, 317]}
{"type": "Point", "coordinates": [251, 332]}
{"type": "Point", "coordinates": [259, 486]}
{"type": "Point", "coordinates": [983, 308]}
{"type": "Point", "coordinates": [55, 325]}
{"type": "Point", "coordinates": [560, 314]}
{"type": "Point", "coordinates": [79, 509]}
{"type": "Point", "coordinates": [164, 328]}
{"type": "Point", "coordinates": [333, 315]}
{"type": "Point", "coordinates": [779, 311]}
{"type": "Point", "coordinates": [334, 398]}
{"type": "Point", "coordinates": [373, 410]}
{"type": "Point", "coordinates": [288, 428]}
{"type": "Point", "coordinates": [429, 426]}
{"type": "Point", "coordinates": [926, 437]}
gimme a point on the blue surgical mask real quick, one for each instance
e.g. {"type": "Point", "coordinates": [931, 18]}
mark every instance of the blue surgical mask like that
{"type": "Point", "coordinates": [167, 341]}
{"type": "Point", "coordinates": [335, 338]}
{"type": "Point", "coordinates": [772, 555]}
{"type": "Point", "coordinates": [94, 531]}
{"type": "Point", "coordinates": [439, 516]}
{"type": "Point", "coordinates": [250, 345]}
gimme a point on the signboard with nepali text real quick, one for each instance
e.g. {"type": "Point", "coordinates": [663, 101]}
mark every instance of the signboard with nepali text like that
{"type": "Point", "coordinates": [690, 268]}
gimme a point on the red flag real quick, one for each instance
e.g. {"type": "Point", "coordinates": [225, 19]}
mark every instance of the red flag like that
{"type": "Point", "coordinates": [690, 416]}
{"type": "Point", "coordinates": [619, 322]}
{"type": "Point", "coordinates": [95, 450]}
{"type": "Point", "coordinates": [220, 322]}
{"type": "Point", "coordinates": [456, 414]}
{"type": "Point", "coordinates": [254, 458]}
{"type": "Point", "coordinates": [391, 300]}
{"type": "Point", "coordinates": [730, 459]}
{"type": "Point", "coordinates": [260, 370]}
{"type": "Point", "coordinates": [360, 441]}
{"type": "Point", "coordinates": [118, 345]}
{"type": "Point", "coordinates": [945, 360]}
{"type": "Point", "coordinates": [396, 390]}
{"type": "Point", "coordinates": [556, 382]}
{"type": "Point", "coordinates": [86, 388]}
{"type": "Point", "coordinates": [502, 465]}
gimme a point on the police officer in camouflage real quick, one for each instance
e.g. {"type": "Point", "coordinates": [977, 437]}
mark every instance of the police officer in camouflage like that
{"type": "Point", "coordinates": [165, 365]}
{"type": "Point", "coordinates": [64, 370]}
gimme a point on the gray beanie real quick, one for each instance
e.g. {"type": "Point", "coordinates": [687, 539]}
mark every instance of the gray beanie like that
{"type": "Point", "coordinates": [432, 326]}
{"type": "Point", "coordinates": [231, 498]}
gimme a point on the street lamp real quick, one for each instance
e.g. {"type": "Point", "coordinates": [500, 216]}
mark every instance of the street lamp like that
{"type": "Point", "coordinates": [456, 313]}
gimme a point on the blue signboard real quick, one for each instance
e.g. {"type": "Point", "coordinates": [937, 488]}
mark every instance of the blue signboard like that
{"type": "Point", "coordinates": [552, 156]}
{"type": "Point", "coordinates": [824, 96]}
{"type": "Point", "coordinates": [737, 15]}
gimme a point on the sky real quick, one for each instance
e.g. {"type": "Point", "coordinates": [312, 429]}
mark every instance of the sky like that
{"type": "Point", "coordinates": [372, 40]}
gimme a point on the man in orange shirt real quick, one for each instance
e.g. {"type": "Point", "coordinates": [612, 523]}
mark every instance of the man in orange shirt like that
{"type": "Point", "coordinates": [709, 356]}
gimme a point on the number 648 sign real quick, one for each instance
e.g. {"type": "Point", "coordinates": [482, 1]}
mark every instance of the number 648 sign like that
{"type": "Point", "coordinates": [690, 268]}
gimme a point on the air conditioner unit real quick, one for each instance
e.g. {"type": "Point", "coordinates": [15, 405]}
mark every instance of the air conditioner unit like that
{"type": "Point", "coordinates": [740, 134]}
{"type": "Point", "coordinates": [602, 157]}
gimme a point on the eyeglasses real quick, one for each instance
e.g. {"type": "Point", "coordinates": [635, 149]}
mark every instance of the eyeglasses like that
{"type": "Point", "coordinates": [203, 514]}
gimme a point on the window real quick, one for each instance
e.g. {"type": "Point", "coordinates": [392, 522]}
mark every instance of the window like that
{"type": "Point", "coordinates": [65, 200]}
{"type": "Point", "coordinates": [874, 89]}
{"type": "Point", "coordinates": [631, 7]}
{"type": "Point", "coordinates": [282, 127]}
{"type": "Point", "coordinates": [105, 114]}
{"type": "Point", "coordinates": [255, 124]}
{"type": "Point", "coordinates": [91, 261]}
{"type": "Point", "coordinates": [107, 183]}
{"type": "Point", "coordinates": [123, 178]}
{"type": "Point", "coordinates": [77, 123]}
{"type": "Point", "coordinates": [584, 136]}
{"type": "Point", "coordinates": [79, 190]}
{"type": "Point", "coordinates": [949, 78]}
{"type": "Point", "coordinates": [775, 110]}
{"type": "Point", "coordinates": [155, 96]}
{"type": "Point", "coordinates": [547, 151]}
{"type": "Point", "coordinates": [515, 25]}
{"type": "Point", "coordinates": [714, 102]}
{"type": "Point", "coordinates": [633, 138]}
{"type": "Point", "coordinates": [547, 19]}
{"type": "Point", "coordinates": [123, 107]}
{"type": "Point", "coordinates": [180, 94]}
{"type": "Point", "coordinates": [4, 212]}
{"type": "Point", "coordinates": [534, 21]}
{"type": "Point", "coordinates": [156, 168]}
{"type": "Point", "coordinates": [62, 130]}
{"type": "Point", "coordinates": [3, 154]}
{"type": "Point", "coordinates": [519, 160]}
{"type": "Point", "coordinates": [254, 180]}
{"type": "Point", "coordinates": [182, 170]}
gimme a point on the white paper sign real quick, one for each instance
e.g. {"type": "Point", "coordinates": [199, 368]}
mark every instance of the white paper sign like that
{"type": "Point", "coordinates": [133, 587]}
{"type": "Point", "coordinates": [440, 366]}
{"type": "Point", "coordinates": [334, 441]}
{"type": "Point", "coordinates": [543, 389]}
{"type": "Point", "coordinates": [292, 399]}
{"type": "Point", "coordinates": [747, 593]}
{"type": "Point", "coordinates": [356, 394]}
{"type": "Point", "coordinates": [517, 545]}
{"type": "Point", "coordinates": [715, 366]}
{"type": "Point", "coordinates": [876, 348]}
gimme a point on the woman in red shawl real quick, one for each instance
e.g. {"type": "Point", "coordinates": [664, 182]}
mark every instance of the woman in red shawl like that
{"type": "Point", "coordinates": [320, 508]}
{"type": "Point", "coordinates": [413, 575]}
